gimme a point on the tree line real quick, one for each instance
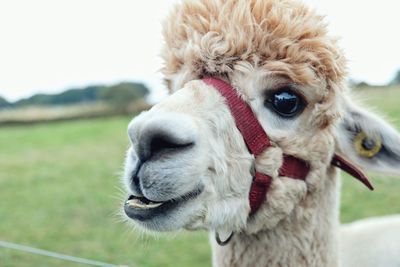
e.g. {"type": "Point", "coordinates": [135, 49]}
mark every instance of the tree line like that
{"type": "Point", "coordinates": [119, 95]}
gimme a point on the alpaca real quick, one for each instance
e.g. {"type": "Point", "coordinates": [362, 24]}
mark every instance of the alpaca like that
{"type": "Point", "coordinates": [189, 166]}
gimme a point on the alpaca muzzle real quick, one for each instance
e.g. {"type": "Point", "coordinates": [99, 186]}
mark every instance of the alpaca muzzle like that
{"type": "Point", "coordinates": [257, 142]}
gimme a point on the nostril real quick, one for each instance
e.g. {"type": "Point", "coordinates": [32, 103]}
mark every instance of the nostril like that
{"type": "Point", "coordinates": [135, 179]}
{"type": "Point", "coordinates": [160, 143]}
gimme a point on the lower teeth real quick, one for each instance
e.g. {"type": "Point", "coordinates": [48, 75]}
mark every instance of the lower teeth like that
{"type": "Point", "coordinates": [136, 203]}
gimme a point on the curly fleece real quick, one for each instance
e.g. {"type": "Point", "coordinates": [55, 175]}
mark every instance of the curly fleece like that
{"type": "Point", "coordinates": [204, 37]}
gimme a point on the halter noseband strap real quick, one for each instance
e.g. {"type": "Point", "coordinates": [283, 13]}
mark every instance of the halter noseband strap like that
{"type": "Point", "coordinates": [257, 142]}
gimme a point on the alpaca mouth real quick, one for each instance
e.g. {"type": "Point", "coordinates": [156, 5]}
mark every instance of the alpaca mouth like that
{"type": "Point", "coordinates": [141, 208]}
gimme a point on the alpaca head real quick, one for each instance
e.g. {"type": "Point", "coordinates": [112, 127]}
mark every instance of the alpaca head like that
{"type": "Point", "coordinates": [188, 166]}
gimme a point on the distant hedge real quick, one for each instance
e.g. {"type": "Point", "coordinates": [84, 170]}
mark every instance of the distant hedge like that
{"type": "Point", "coordinates": [396, 79]}
{"type": "Point", "coordinates": [118, 95]}
{"type": "Point", "coordinates": [4, 103]}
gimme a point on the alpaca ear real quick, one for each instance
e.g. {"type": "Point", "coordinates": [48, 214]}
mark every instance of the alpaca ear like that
{"type": "Point", "coordinates": [368, 140]}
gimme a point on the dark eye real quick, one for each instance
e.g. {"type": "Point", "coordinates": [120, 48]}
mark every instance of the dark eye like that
{"type": "Point", "coordinates": [285, 103]}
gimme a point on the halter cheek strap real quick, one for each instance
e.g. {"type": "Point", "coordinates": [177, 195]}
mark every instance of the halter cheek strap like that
{"type": "Point", "coordinates": [257, 142]}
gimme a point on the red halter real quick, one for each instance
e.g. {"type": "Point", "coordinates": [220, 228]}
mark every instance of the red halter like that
{"type": "Point", "coordinates": [257, 141]}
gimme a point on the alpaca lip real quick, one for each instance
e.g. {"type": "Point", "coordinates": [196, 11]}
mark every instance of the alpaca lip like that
{"type": "Point", "coordinates": [141, 208]}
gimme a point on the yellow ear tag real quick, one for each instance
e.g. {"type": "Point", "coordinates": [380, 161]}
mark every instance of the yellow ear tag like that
{"type": "Point", "coordinates": [366, 146]}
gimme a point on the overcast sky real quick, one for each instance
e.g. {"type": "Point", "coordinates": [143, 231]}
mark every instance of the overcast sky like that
{"type": "Point", "coordinates": [52, 45]}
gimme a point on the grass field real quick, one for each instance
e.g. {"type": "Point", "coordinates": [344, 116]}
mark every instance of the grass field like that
{"type": "Point", "coordinates": [59, 191]}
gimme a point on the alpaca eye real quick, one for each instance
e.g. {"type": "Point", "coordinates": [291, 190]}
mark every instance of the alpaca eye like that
{"type": "Point", "coordinates": [285, 103]}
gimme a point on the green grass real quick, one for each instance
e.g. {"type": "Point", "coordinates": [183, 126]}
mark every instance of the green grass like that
{"type": "Point", "coordinates": [59, 191]}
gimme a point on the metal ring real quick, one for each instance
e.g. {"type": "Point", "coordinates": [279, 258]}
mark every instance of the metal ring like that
{"type": "Point", "coordinates": [359, 145]}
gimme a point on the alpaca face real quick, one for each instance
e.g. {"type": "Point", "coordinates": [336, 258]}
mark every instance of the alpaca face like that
{"type": "Point", "coordinates": [189, 166]}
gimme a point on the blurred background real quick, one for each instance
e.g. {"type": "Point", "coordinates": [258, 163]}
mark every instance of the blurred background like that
{"type": "Point", "coordinates": [74, 73]}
